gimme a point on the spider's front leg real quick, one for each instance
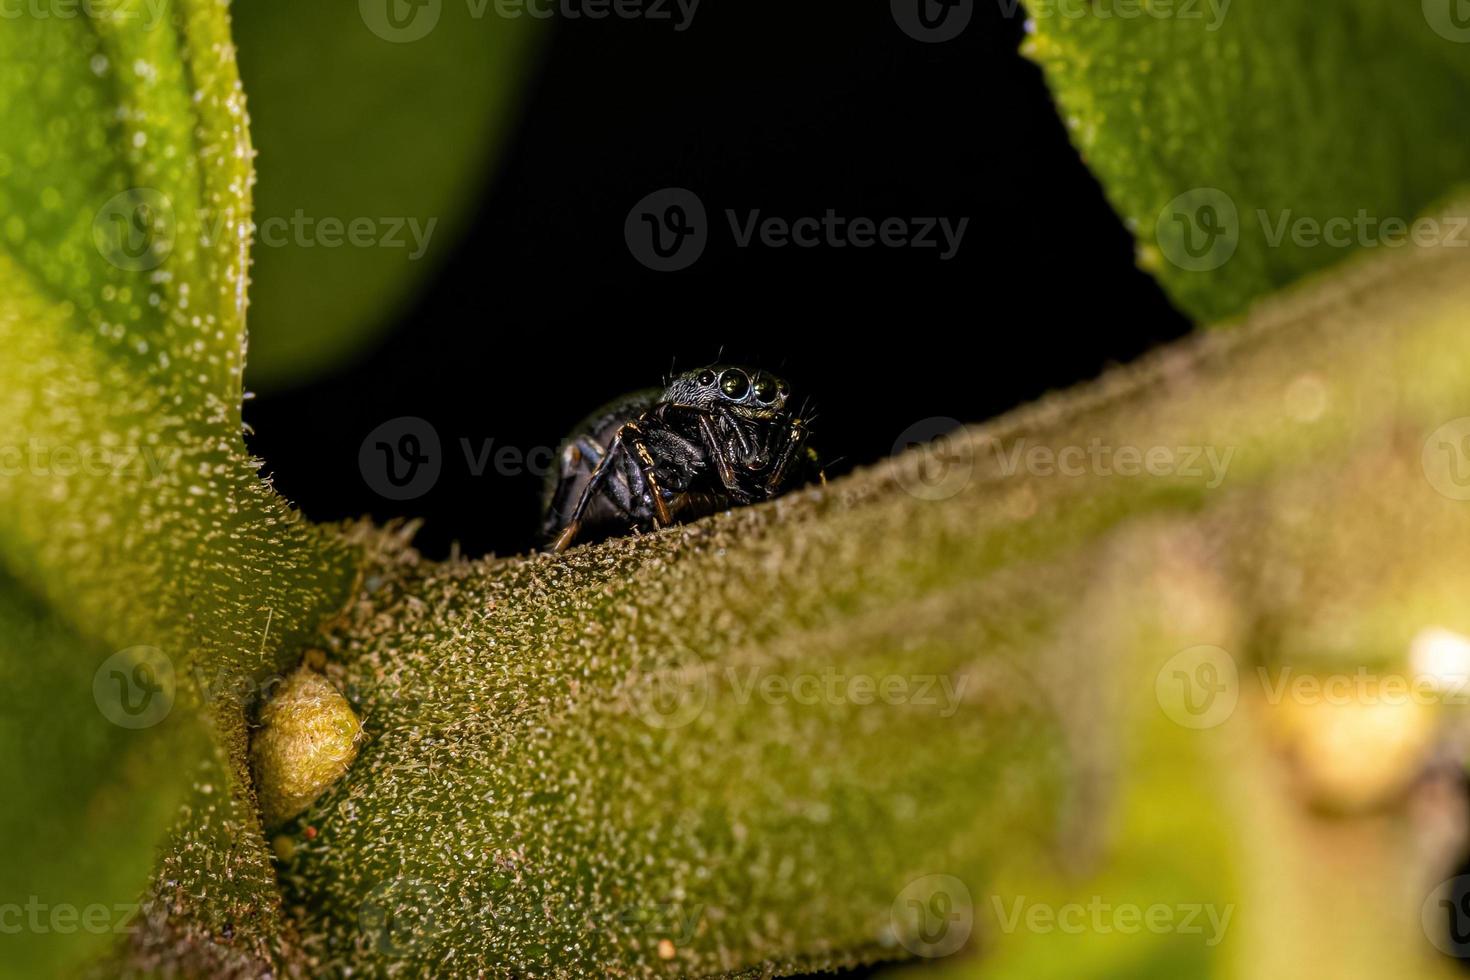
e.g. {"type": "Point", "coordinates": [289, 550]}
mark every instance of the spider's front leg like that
{"type": "Point", "coordinates": [590, 490]}
{"type": "Point", "coordinates": [795, 443]}
{"type": "Point", "coordinates": [627, 445]}
{"type": "Point", "coordinates": [709, 447]}
{"type": "Point", "coordinates": [714, 449]}
{"type": "Point", "coordinates": [631, 436]}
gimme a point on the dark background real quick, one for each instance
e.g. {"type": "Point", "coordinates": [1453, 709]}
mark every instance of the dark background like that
{"type": "Point", "coordinates": [543, 313]}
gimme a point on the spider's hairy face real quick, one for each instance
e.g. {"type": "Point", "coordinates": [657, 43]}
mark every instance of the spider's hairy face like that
{"type": "Point", "coordinates": [755, 395]}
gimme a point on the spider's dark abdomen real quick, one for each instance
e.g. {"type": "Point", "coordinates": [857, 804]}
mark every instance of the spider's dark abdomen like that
{"type": "Point", "coordinates": [573, 467]}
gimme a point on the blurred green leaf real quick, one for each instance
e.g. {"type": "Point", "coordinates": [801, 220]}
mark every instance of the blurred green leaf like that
{"type": "Point", "coordinates": [141, 557]}
{"type": "Point", "coordinates": [358, 120]}
{"type": "Point", "coordinates": [86, 799]}
{"type": "Point", "coordinates": [1215, 127]}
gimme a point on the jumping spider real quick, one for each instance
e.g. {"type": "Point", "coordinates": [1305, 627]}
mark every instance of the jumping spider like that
{"type": "Point", "coordinates": [713, 438]}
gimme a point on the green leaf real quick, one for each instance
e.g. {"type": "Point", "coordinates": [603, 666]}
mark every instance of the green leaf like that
{"type": "Point", "coordinates": [144, 562]}
{"type": "Point", "coordinates": [649, 757]}
{"type": "Point", "coordinates": [358, 121]}
{"type": "Point", "coordinates": [631, 758]}
{"type": "Point", "coordinates": [1216, 127]}
{"type": "Point", "coordinates": [86, 798]}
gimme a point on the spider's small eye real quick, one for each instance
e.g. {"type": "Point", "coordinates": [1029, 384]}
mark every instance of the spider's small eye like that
{"type": "Point", "coordinates": [706, 377]}
{"type": "Point", "coordinates": [765, 390]}
{"type": "Point", "coordinates": [734, 384]}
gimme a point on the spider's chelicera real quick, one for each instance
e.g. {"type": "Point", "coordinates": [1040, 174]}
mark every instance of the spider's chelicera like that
{"type": "Point", "coordinates": [713, 438]}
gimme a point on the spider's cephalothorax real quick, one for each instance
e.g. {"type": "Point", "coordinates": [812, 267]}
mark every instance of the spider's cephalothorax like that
{"type": "Point", "coordinates": [713, 438]}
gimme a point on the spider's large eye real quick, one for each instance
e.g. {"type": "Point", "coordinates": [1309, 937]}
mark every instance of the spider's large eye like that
{"type": "Point", "coordinates": [734, 384]}
{"type": "Point", "coordinates": [765, 390]}
{"type": "Point", "coordinates": [706, 377]}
